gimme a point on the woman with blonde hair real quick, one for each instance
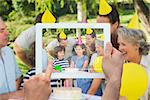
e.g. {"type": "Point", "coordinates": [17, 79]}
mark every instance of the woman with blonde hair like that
{"type": "Point", "coordinates": [135, 48]}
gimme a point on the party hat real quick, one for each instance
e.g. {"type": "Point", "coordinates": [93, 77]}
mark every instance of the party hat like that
{"type": "Point", "coordinates": [79, 42]}
{"type": "Point", "coordinates": [48, 17]}
{"type": "Point", "coordinates": [134, 22]}
{"type": "Point", "coordinates": [62, 35]}
{"type": "Point", "coordinates": [104, 7]}
{"type": "Point", "coordinates": [89, 31]}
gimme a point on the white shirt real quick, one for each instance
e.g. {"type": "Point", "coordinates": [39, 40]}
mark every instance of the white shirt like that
{"type": "Point", "coordinates": [93, 57]}
{"type": "Point", "coordinates": [26, 39]}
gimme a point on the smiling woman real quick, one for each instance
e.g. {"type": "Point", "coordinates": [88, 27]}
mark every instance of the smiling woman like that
{"type": "Point", "coordinates": [134, 46]}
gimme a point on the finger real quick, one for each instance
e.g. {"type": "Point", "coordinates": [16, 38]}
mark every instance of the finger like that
{"type": "Point", "coordinates": [117, 52]}
{"type": "Point", "coordinates": [108, 50]}
{"type": "Point", "coordinates": [49, 70]}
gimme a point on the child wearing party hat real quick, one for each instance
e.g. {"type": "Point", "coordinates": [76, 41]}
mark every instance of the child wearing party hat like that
{"type": "Point", "coordinates": [80, 53]}
{"type": "Point", "coordinates": [80, 61]}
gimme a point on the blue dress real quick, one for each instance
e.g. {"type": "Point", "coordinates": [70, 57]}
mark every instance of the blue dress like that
{"type": "Point", "coordinates": [83, 83]}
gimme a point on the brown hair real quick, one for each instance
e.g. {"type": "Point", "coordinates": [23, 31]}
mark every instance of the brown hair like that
{"type": "Point", "coordinates": [58, 49]}
{"type": "Point", "coordinates": [82, 46]}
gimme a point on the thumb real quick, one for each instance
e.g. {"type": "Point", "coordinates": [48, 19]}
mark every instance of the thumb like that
{"type": "Point", "coordinates": [108, 50]}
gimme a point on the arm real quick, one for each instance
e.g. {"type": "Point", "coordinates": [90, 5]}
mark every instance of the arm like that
{"type": "Point", "coordinates": [112, 68]}
{"type": "Point", "coordinates": [72, 65]}
{"type": "Point", "coordinates": [12, 95]}
{"type": "Point", "coordinates": [42, 87]}
{"type": "Point", "coordinates": [51, 53]}
{"type": "Point", "coordinates": [112, 90]}
{"type": "Point", "coordinates": [85, 64]}
{"type": "Point", "coordinates": [94, 86]}
{"type": "Point", "coordinates": [21, 54]}
{"type": "Point", "coordinates": [18, 81]}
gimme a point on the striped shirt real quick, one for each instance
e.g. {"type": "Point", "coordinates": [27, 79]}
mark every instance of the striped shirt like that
{"type": "Point", "coordinates": [30, 73]}
{"type": "Point", "coordinates": [54, 82]}
{"type": "Point", "coordinates": [63, 63]}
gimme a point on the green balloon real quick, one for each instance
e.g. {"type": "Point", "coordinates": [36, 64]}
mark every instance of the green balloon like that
{"type": "Point", "coordinates": [58, 67]}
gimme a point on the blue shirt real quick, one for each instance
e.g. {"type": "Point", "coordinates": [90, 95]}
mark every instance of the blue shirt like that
{"type": "Point", "coordinates": [79, 61]}
{"type": "Point", "coordinates": [84, 84]}
{"type": "Point", "coordinates": [9, 71]}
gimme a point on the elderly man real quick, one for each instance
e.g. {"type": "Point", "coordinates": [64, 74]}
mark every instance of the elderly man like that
{"type": "Point", "coordinates": [10, 74]}
{"type": "Point", "coordinates": [9, 71]}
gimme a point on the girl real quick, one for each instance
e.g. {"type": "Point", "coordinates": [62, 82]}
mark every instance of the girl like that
{"type": "Point", "coordinates": [80, 61]}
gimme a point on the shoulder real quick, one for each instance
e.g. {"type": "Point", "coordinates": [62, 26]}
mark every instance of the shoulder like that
{"type": "Point", "coordinates": [71, 41]}
{"type": "Point", "coordinates": [6, 49]}
{"type": "Point", "coordinates": [53, 43]}
{"type": "Point", "coordinates": [27, 32]}
{"type": "Point", "coordinates": [73, 57]}
{"type": "Point", "coordinates": [94, 55]}
{"type": "Point", "coordinates": [145, 58]}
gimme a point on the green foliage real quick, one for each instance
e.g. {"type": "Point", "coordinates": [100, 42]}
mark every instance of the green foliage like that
{"type": "Point", "coordinates": [5, 9]}
{"type": "Point", "coordinates": [15, 29]}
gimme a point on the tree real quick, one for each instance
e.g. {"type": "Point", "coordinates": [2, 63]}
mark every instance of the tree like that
{"type": "Point", "coordinates": [144, 13]}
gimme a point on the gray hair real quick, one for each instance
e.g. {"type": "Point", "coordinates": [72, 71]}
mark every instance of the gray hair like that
{"type": "Point", "coordinates": [136, 37]}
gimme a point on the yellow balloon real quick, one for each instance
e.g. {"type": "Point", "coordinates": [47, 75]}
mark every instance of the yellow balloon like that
{"type": "Point", "coordinates": [98, 64]}
{"type": "Point", "coordinates": [104, 7]}
{"type": "Point", "coordinates": [48, 17]}
{"type": "Point", "coordinates": [134, 81]}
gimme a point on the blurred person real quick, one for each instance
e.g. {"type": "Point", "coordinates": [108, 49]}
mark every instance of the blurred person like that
{"type": "Point", "coordinates": [113, 18]}
{"type": "Point", "coordinates": [133, 44]}
{"type": "Point", "coordinates": [23, 45]}
{"type": "Point", "coordinates": [96, 83]}
{"type": "Point", "coordinates": [10, 74]}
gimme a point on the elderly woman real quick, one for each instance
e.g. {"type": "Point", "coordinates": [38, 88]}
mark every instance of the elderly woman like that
{"type": "Point", "coordinates": [133, 44]}
{"type": "Point", "coordinates": [95, 88]}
